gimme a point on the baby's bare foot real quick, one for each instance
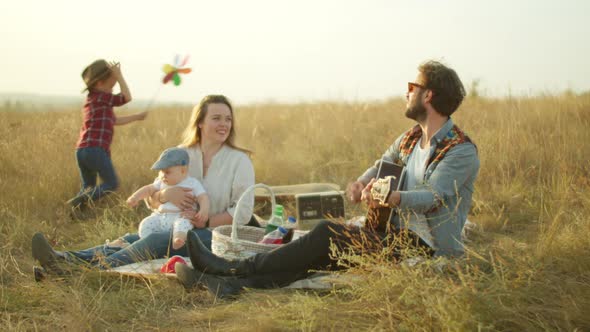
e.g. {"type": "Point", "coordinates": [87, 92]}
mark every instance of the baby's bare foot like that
{"type": "Point", "coordinates": [177, 243]}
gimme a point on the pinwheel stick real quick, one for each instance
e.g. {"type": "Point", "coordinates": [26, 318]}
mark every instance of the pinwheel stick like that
{"type": "Point", "coordinates": [155, 95]}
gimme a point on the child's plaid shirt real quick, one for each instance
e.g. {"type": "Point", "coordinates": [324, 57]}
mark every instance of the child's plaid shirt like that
{"type": "Point", "coordinates": [99, 120]}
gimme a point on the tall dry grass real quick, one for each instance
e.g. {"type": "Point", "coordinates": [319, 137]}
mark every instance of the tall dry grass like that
{"type": "Point", "coordinates": [528, 263]}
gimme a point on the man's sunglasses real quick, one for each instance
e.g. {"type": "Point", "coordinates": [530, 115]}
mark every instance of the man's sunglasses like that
{"type": "Point", "coordinates": [412, 86]}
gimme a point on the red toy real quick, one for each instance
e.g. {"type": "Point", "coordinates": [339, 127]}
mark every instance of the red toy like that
{"type": "Point", "coordinates": [168, 267]}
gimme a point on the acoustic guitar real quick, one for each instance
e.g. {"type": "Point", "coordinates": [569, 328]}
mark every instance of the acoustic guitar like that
{"type": "Point", "coordinates": [389, 177]}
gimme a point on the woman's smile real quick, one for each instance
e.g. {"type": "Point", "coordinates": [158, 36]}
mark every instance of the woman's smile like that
{"type": "Point", "coordinates": [217, 123]}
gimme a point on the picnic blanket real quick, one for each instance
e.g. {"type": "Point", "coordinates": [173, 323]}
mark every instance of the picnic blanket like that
{"type": "Point", "coordinates": [150, 269]}
{"type": "Point", "coordinates": [319, 280]}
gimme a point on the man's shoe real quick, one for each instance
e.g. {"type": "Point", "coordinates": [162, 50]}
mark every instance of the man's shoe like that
{"type": "Point", "coordinates": [222, 288]}
{"type": "Point", "coordinates": [186, 276]}
{"type": "Point", "coordinates": [204, 260]}
{"type": "Point", "coordinates": [44, 253]}
{"type": "Point", "coordinates": [218, 286]}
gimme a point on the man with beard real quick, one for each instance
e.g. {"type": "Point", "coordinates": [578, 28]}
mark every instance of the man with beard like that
{"type": "Point", "coordinates": [441, 167]}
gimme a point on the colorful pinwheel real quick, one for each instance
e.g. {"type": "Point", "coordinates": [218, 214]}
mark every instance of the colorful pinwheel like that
{"type": "Point", "coordinates": [173, 71]}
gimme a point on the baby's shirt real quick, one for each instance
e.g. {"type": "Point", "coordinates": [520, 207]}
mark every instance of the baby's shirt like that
{"type": "Point", "coordinates": [189, 182]}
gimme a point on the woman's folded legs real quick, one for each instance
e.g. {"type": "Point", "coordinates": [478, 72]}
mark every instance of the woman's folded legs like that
{"type": "Point", "coordinates": [113, 254]}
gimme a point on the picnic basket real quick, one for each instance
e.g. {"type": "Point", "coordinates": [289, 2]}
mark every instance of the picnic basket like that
{"type": "Point", "coordinates": [234, 241]}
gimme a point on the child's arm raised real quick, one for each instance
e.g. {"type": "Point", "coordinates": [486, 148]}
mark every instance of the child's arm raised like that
{"type": "Point", "coordinates": [122, 120]}
{"type": "Point", "coordinates": [116, 70]}
{"type": "Point", "coordinates": [143, 193]}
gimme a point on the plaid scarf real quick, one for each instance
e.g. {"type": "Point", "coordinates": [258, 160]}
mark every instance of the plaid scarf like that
{"type": "Point", "coordinates": [454, 137]}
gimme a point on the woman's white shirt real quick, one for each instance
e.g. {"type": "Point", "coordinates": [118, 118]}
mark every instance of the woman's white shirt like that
{"type": "Point", "coordinates": [229, 174]}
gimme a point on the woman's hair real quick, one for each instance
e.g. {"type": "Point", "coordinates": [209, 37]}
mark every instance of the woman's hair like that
{"type": "Point", "coordinates": [192, 133]}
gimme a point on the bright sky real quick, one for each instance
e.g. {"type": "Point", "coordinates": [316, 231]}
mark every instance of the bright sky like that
{"type": "Point", "coordinates": [303, 50]}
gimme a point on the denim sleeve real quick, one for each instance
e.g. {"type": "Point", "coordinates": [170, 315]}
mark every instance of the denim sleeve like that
{"type": "Point", "coordinates": [458, 166]}
{"type": "Point", "coordinates": [391, 154]}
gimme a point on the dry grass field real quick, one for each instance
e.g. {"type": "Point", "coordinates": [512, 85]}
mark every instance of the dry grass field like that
{"type": "Point", "coordinates": [528, 261]}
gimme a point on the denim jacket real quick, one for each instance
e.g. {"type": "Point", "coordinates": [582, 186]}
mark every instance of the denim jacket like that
{"type": "Point", "coordinates": [446, 194]}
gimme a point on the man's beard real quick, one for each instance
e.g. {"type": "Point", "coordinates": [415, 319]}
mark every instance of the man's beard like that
{"type": "Point", "coordinates": [416, 111]}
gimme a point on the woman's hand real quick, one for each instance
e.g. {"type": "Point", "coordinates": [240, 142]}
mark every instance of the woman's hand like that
{"type": "Point", "coordinates": [196, 218]}
{"type": "Point", "coordinates": [201, 218]}
{"type": "Point", "coordinates": [183, 198]}
{"type": "Point", "coordinates": [188, 214]}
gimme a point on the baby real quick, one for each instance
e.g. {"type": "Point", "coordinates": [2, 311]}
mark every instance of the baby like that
{"type": "Point", "coordinates": [173, 167]}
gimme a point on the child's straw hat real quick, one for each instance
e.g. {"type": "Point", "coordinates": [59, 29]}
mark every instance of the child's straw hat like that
{"type": "Point", "coordinates": [95, 72]}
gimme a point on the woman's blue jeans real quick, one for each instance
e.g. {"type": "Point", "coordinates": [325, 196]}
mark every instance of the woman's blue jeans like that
{"type": "Point", "coordinates": [153, 246]}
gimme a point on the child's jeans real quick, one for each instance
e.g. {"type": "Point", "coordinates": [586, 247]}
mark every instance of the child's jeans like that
{"type": "Point", "coordinates": [94, 161]}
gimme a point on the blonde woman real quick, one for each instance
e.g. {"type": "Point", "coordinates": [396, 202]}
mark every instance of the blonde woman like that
{"type": "Point", "coordinates": [225, 171]}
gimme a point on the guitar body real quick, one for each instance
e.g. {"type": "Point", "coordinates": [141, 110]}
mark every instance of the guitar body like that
{"type": "Point", "coordinates": [390, 177]}
{"type": "Point", "coordinates": [378, 218]}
